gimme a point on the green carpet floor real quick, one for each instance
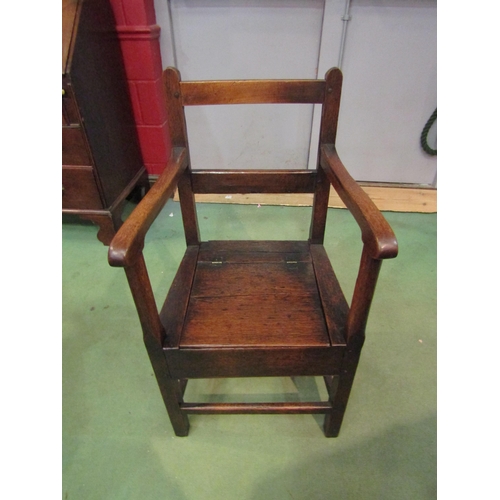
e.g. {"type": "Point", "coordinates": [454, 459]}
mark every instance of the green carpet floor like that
{"type": "Point", "coordinates": [117, 439]}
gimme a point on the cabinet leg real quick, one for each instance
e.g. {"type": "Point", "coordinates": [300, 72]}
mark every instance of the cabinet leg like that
{"type": "Point", "coordinates": [141, 188]}
{"type": "Point", "coordinates": [144, 184]}
{"type": "Point", "coordinates": [108, 225]}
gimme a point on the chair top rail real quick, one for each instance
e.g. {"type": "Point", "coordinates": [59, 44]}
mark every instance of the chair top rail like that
{"type": "Point", "coordinates": [195, 93]}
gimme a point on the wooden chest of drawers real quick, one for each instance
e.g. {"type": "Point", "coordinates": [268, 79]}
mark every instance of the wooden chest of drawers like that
{"type": "Point", "coordinates": [102, 162]}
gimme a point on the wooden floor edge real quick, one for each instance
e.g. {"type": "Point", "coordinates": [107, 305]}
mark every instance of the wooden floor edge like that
{"type": "Point", "coordinates": [386, 198]}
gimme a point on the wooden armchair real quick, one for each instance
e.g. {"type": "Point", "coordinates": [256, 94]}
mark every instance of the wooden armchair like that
{"type": "Point", "coordinates": [254, 308]}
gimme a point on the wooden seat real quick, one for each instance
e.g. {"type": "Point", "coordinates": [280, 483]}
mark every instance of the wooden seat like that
{"type": "Point", "coordinates": [254, 308]}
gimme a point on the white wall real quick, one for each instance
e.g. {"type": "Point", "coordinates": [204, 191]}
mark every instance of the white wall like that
{"type": "Point", "coordinates": [389, 89]}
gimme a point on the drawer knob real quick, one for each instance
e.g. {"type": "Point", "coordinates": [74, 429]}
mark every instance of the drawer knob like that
{"type": "Point", "coordinates": [63, 92]}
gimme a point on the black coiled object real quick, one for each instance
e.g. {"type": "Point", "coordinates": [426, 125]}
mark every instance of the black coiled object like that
{"type": "Point", "coordinates": [425, 132]}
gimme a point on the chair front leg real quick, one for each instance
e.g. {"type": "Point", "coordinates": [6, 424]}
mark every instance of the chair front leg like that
{"type": "Point", "coordinates": [339, 392]}
{"type": "Point", "coordinates": [356, 324]}
{"type": "Point", "coordinates": [154, 334]}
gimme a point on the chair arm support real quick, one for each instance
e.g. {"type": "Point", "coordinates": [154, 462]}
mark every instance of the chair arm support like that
{"type": "Point", "coordinates": [377, 235]}
{"type": "Point", "coordinates": [128, 242]}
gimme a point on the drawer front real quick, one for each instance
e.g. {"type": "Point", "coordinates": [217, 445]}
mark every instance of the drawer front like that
{"type": "Point", "coordinates": [74, 147]}
{"type": "Point", "coordinates": [79, 189]}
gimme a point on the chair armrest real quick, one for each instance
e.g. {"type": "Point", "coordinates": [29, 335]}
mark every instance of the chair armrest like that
{"type": "Point", "coordinates": [128, 242]}
{"type": "Point", "coordinates": [377, 235]}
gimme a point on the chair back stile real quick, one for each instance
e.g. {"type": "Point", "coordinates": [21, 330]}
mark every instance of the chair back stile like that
{"type": "Point", "coordinates": [327, 134]}
{"type": "Point", "coordinates": [178, 137]}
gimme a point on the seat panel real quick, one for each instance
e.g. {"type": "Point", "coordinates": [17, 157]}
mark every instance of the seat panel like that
{"type": "Point", "coordinates": [263, 295]}
{"type": "Point", "coordinates": [256, 279]}
{"type": "Point", "coordinates": [245, 320]}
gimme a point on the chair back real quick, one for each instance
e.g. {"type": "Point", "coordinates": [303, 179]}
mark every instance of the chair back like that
{"type": "Point", "coordinates": [179, 94]}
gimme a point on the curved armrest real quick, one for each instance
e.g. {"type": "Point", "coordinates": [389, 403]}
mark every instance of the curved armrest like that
{"type": "Point", "coordinates": [377, 235]}
{"type": "Point", "coordinates": [128, 242]}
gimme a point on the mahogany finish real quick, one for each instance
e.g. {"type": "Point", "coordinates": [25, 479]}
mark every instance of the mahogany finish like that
{"type": "Point", "coordinates": [254, 308]}
{"type": "Point", "coordinates": [252, 181]}
{"type": "Point", "coordinates": [102, 162]}
{"type": "Point", "coordinates": [252, 92]}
